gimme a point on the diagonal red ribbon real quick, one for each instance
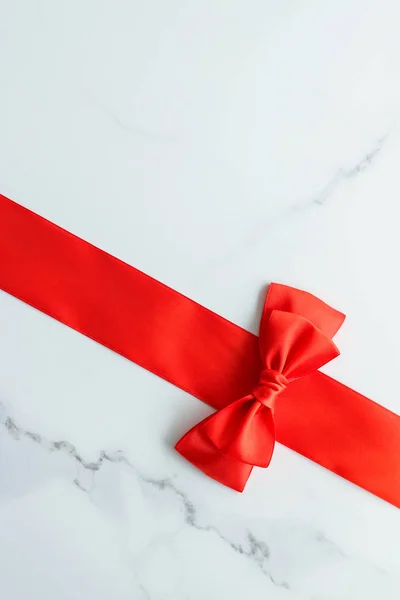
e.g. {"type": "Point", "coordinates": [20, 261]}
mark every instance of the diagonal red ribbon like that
{"type": "Point", "coordinates": [199, 351]}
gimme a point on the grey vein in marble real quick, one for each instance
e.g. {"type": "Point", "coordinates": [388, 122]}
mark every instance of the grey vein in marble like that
{"type": "Point", "coordinates": [299, 208]}
{"type": "Point", "coordinates": [345, 174]}
{"type": "Point", "coordinates": [253, 548]}
{"type": "Point", "coordinates": [256, 550]}
{"type": "Point", "coordinates": [124, 125]}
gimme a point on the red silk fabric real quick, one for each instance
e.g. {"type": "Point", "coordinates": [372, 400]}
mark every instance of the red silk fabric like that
{"type": "Point", "coordinates": [203, 353]}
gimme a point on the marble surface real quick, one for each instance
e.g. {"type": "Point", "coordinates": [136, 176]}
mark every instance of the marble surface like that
{"type": "Point", "coordinates": [217, 145]}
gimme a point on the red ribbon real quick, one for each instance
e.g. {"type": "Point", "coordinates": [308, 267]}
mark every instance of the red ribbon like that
{"type": "Point", "coordinates": [263, 388]}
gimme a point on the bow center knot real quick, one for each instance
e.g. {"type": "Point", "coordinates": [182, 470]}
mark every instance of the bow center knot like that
{"type": "Point", "coordinates": [271, 384]}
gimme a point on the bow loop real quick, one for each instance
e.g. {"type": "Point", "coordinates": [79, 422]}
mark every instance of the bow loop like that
{"type": "Point", "coordinates": [243, 430]}
{"type": "Point", "coordinates": [292, 345]}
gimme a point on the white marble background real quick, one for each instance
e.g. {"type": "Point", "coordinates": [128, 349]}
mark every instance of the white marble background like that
{"type": "Point", "coordinates": [216, 145]}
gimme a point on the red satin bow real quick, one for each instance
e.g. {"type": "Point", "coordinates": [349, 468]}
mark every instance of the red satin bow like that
{"type": "Point", "coordinates": [294, 340]}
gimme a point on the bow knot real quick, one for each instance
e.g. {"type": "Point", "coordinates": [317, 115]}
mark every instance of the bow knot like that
{"type": "Point", "coordinates": [295, 340]}
{"type": "Point", "coordinates": [271, 384]}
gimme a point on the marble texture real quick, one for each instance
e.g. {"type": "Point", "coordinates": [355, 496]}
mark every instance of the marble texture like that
{"type": "Point", "coordinates": [217, 146]}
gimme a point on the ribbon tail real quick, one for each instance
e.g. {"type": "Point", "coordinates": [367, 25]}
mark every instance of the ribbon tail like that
{"type": "Point", "coordinates": [196, 447]}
